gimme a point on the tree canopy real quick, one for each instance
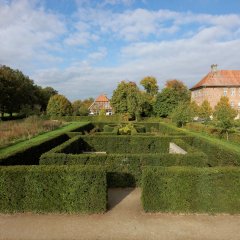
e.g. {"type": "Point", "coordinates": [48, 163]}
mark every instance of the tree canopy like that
{"type": "Point", "coordinates": [150, 85]}
{"type": "Point", "coordinates": [18, 91]}
{"type": "Point", "coordinates": [168, 99]}
{"type": "Point", "coordinates": [224, 114]}
{"type": "Point", "coordinates": [59, 105]}
{"type": "Point", "coordinates": [127, 99]}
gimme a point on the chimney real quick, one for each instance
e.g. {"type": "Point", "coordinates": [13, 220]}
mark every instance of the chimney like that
{"type": "Point", "coordinates": [214, 68]}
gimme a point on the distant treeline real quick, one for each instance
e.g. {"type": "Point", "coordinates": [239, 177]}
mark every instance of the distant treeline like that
{"type": "Point", "coordinates": [20, 95]}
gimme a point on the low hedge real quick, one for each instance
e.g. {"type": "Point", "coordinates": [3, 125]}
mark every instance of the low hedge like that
{"type": "Point", "coordinates": [124, 170]}
{"type": "Point", "coordinates": [70, 189]}
{"type": "Point", "coordinates": [217, 155]}
{"type": "Point", "coordinates": [30, 155]}
{"type": "Point", "coordinates": [168, 129]}
{"type": "Point", "coordinates": [118, 144]}
{"type": "Point", "coordinates": [187, 189]}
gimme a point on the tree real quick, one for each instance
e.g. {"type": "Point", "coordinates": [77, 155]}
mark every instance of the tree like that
{"type": "Point", "coordinates": [194, 108]}
{"type": "Point", "coordinates": [168, 99]}
{"type": "Point", "coordinates": [45, 94]}
{"type": "Point", "coordinates": [20, 94]}
{"type": "Point", "coordinates": [205, 110]}
{"type": "Point", "coordinates": [150, 85]}
{"type": "Point", "coordinates": [59, 105]}
{"type": "Point", "coordinates": [224, 114]}
{"type": "Point", "coordinates": [80, 107]}
{"type": "Point", "coordinates": [182, 114]}
{"type": "Point", "coordinates": [76, 106]}
{"type": "Point", "coordinates": [127, 99]}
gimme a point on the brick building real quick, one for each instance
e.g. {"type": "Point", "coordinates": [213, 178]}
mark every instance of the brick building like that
{"type": "Point", "coordinates": [101, 103]}
{"type": "Point", "coordinates": [218, 83]}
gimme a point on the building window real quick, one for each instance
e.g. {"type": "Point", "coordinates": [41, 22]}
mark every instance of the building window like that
{"type": "Point", "coordinates": [225, 92]}
{"type": "Point", "coordinates": [232, 104]}
{"type": "Point", "coordinates": [232, 91]}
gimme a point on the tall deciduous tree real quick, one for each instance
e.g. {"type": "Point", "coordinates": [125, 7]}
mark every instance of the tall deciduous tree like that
{"type": "Point", "coordinates": [224, 114]}
{"type": "Point", "coordinates": [19, 92]}
{"type": "Point", "coordinates": [127, 99]}
{"type": "Point", "coordinates": [80, 107]}
{"type": "Point", "coordinates": [168, 99]}
{"type": "Point", "coordinates": [59, 105]}
{"type": "Point", "coordinates": [182, 114]}
{"type": "Point", "coordinates": [150, 85]}
{"type": "Point", "coordinates": [205, 110]}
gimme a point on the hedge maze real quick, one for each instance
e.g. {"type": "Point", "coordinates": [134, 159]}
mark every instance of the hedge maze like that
{"type": "Point", "coordinates": [73, 171]}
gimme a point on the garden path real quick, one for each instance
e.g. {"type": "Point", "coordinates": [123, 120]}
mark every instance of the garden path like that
{"type": "Point", "coordinates": [124, 220]}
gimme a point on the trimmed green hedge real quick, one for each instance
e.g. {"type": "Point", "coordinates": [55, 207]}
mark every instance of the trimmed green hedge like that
{"type": "Point", "coordinates": [68, 189]}
{"type": "Point", "coordinates": [30, 155]}
{"type": "Point", "coordinates": [118, 144]}
{"type": "Point", "coordinates": [217, 155]}
{"type": "Point", "coordinates": [124, 170]}
{"type": "Point", "coordinates": [186, 189]}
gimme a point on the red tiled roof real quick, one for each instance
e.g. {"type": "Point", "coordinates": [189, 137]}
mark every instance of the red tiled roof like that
{"type": "Point", "coordinates": [219, 78]}
{"type": "Point", "coordinates": [102, 98]}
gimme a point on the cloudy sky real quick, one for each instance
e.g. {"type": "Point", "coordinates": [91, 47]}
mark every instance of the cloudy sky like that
{"type": "Point", "coordinates": [84, 48]}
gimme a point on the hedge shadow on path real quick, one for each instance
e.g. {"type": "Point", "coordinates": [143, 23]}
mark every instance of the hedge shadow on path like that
{"type": "Point", "coordinates": [116, 195]}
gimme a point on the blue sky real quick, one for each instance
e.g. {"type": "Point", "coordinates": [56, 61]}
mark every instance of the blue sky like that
{"type": "Point", "coordinates": [84, 48]}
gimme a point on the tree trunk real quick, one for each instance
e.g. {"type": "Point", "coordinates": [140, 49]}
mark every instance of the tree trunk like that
{"type": "Point", "coordinates": [227, 135]}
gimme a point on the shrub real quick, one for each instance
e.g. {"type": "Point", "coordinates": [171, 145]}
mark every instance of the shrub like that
{"type": "Point", "coordinates": [186, 189]}
{"type": "Point", "coordinates": [69, 189]}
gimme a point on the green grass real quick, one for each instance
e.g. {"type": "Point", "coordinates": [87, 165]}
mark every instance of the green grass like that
{"type": "Point", "coordinates": [40, 138]}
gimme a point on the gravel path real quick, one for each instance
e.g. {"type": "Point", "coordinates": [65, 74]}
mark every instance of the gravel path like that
{"type": "Point", "coordinates": [124, 220]}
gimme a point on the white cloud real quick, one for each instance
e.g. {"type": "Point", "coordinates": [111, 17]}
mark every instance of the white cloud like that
{"type": "Point", "coordinates": [25, 32]}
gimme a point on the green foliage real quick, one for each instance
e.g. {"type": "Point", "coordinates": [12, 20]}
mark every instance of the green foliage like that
{"type": "Point", "coordinates": [150, 85]}
{"type": "Point", "coordinates": [28, 152]}
{"type": "Point", "coordinates": [224, 115]}
{"type": "Point", "coordinates": [218, 155]}
{"type": "Point", "coordinates": [18, 90]}
{"type": "Point", "coordinates": [127, 129]}
{"type": "Point", "coordinates": [30, 155]}
{"type": "Point", "coordinates": [80, 108]}
{"type": "Point", "coordinates": [185, 189]}
{"type": "Point", "coordinates": [59, 105]}
{"type": "Point", "coordinates": [123, 144]}
{"type": "Point", "coordinates": [194, 108]}
{"type": "Point", "coordinates": [127, 99]}
{"type": "Point", "coordinates": [170, 97]}
{"type": "Point", "coordinates": [71, 189]}
{"type": "Point", "coordinates": [182, 114]}
{"type": "Point", "coordinates": [205, 111]}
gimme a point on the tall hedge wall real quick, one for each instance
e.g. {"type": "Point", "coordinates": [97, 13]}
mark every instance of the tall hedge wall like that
{"type": "Point", "coordinates": [187, 189]}
{"type": "Point", "coordinates": [124, 170]}
{"type": "Point", "coordinates": [53, 189]}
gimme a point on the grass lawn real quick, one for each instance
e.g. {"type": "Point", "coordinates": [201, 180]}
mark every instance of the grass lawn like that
{"type": "Point", "coordinates": [40, 138]}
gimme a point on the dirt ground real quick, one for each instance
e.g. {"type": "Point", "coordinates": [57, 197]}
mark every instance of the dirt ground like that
{"type": "Point", "coordinates": [124, 220]}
